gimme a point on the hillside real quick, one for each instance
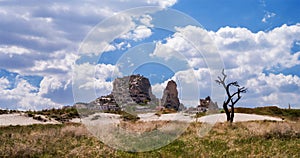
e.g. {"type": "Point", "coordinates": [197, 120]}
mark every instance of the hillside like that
{"type": "Point", "coordinates": [291, 114]}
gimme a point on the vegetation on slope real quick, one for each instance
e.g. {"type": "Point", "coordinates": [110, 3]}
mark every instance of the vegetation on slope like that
{"type": "Point", "coordinates": [7, 111]}
{"type": "Point", "coordinates": [62, 115]}
{"type": "Point", "coordinates": [291, 114]}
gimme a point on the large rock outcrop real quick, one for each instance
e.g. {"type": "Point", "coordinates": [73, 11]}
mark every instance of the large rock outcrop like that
{"type": "Point", "coordinates": [170, 98]}
{"type": "Point", "coordinates": [132, 89]}
{"type": "Point", "coordinates": [140, 89]}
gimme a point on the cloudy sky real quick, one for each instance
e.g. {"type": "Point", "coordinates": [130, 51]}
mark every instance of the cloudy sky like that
{"type": "Point", "coordinates": [50, 49]}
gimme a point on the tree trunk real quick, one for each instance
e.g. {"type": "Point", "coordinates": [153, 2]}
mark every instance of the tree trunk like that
{"type": "Point", "coordinates": [226, 111]}
{"type": "Point", "coordinates": [232, 114]}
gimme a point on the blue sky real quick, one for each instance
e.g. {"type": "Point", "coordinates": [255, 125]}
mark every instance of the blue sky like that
{"type": "Point", "coordinates": [214, 14]}
{"type": "Point", "coordinates": [258, 42]}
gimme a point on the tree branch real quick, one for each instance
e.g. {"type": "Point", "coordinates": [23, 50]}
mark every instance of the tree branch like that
{"type": "Point", "coordinates": [230, 101]}
{"type": "Point", "coordinates": [221, 81]}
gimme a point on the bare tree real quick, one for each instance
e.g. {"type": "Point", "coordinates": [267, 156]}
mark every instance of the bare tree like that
{"type": "Point", "coordinates": [232, 96]}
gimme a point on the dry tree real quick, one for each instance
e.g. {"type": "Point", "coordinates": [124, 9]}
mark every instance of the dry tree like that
{"type": "Point", "coordinates": [232, 96]}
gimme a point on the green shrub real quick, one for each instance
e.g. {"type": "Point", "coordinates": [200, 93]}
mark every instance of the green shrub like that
{"type": "Point", "coordinates": [200, 114]}
{"type": "Point", "coordinates": [129, 117]}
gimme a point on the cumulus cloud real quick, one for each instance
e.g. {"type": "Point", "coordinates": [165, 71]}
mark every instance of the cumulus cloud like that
{"type": "Point", "coordinates": [91, 81]}
{"type": "Point", "coordinates": [246, 57]}
{"type": "Point", "coordinates": [240, 46]}
{"type": "Point", "coordinates": [22, 97]}
{"type": "Point", "coordinates": [192, 42]}
{"type": "Point", "coordinates": [139, 33]}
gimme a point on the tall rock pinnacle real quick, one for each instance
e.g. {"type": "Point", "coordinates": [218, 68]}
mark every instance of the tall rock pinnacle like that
{"type": "Point", "coordinates": [170, 97]}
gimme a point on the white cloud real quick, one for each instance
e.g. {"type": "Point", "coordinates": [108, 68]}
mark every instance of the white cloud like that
{"type": "Point", "coordinates": [4, 82]}
{"type": "Point", "coordinates": [193, 43]}
{"type": "Point", "coordinates": [139, 33]}
{"type": "Point", "coordinates": [23, 97]}
{"type": "Point", "coordinates": [162, 3]}
{"type": "Point", "coordinates": [274, 89]}
{"type": "Point", "coordinates": [49, 84]}
{"type": "Point", "coordinates": [146, 20]}
{"type": "Point", "coordinates": [6, 49]}
{"type": "Point", "coordinates": [61, 61]}
{"type": "Point", "coordinates": [246, 55]}
{"type": "Point", "coordinates": [58, 25]}
{"type": "Point", "coordinates": [241, 47]}
{"type": "Point", "coordinates": [94, 77]}
{"type": "Point", "coordinates": [267, 16]}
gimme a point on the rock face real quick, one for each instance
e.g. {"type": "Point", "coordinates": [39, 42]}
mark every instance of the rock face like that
{"type": "Point", "coordinates": [205, 102]}
{"type": "Point", "coordinates": [207, 105]}
{"type": "Point", "coordinates": [140, 89]}
{"type": "Point", "coordinates": [106, 103]}
{"type": "Point", "coordinates": [132, 89]}
{"type": "Point", "coordinates": [170, 96]}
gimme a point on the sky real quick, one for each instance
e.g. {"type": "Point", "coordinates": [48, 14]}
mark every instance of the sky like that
{"type": "Point", "coordinates": [55, 53]}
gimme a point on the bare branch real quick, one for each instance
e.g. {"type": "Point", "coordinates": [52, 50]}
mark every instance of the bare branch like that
{"type": "Point", "coordinates": [223, 73]}
{"type": "Point", "coordinates": [238, 98]}
{"type": "Point", "coordinates": [221, 80]}
{"type": "Point", "coordinates": [231, 99]}
{"type": "Point", "coordinates": [243, 90]}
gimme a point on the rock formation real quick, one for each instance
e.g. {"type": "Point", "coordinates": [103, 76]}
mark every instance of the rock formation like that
{"type": "Point", "coordinates": [140, 89]}
{"type": "Point", "coordinates": [128, 90]}
{"type": "Point", "coordinates": [106, 103]}
{"type": "Point", "coordinates": [170, 96]}
{"type": "Point", "coordinates": [205, 102]}
{"type": "Point", "coordinates": [207, 105]}
{"type": "Point", "coordinates": [132, 89]}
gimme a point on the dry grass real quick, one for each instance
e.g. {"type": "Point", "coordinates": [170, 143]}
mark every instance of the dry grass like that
{"type": "Point", "coordinates": [49, 140]}
{"type": "Point", "coordinates": [264, 128]}
{"type": "Point", "coordinates": [243, 139]}
{"type": "Point", "coordinates": [142, 127]}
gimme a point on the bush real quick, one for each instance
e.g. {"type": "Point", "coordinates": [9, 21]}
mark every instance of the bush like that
{"type": "Point", "coordinates": [200, 114]}
{"type": "Point", "coordinates": [4, 111]}
{"type": "Point", "coordinates": [129, 117]}
{"type": "Point", "coordinates": [64, 114]}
